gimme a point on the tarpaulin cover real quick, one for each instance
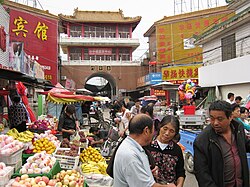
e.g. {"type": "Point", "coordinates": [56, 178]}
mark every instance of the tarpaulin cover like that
{"type": "Point", "coordinates": [67, 99]}
{"type": "Point", "coordinates": [57, 89]}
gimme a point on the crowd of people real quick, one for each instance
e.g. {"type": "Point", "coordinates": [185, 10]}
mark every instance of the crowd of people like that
{"type": "Point", "coordinates": [219, 150]}
{"type": "Point", "coordinates": [149, 154]}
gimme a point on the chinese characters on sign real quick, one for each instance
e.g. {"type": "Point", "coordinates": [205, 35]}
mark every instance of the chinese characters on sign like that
{"type": "Point", "coordinates": [100, 51]}
{"type": "Point", "coordinates": [180, 73]}
{"type": "Point", "coordinates": [20, 26]}
{"type": "Point", "coordinates": [40, 30]}
{"type": "Point", "coordinates": [159, 92]}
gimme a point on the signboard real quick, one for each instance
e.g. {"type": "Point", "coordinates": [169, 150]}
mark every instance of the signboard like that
{"type": "Point", "coordinates": [180, 73]}
{"type": "Point", "coordinates": [38, 35]}
{"type": "Point", "coordinates": [158, 92]}
{"type": "Point", "coordinates": [100, 51]}
{"type": "Point", "coordinates": [153, 78]}
{"type": "Point", "coordinates": [175, 42]}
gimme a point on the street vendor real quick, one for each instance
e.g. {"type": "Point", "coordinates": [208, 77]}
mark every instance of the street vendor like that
{"type": "Point", "coordinates": [68, 123]}
{"type": "Point", "coordinates": [98, 138]}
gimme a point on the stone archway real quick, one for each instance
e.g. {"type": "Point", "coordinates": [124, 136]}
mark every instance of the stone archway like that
{"type": "Point", "coordinates": [108, 77]}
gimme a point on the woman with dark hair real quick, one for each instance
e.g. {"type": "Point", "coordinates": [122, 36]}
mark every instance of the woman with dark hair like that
{"type": "Point", "coordinates": [68, 123]}
{"type": "Point", "coordinates": [167, 153]}
{"type": "Point", "coordinates": [18, 115]}
{"type": "Point", "coordinates": [244, 112]}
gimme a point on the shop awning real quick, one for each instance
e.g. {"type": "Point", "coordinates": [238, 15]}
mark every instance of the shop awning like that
{"type": "Point", "coordinates": [18, 76]}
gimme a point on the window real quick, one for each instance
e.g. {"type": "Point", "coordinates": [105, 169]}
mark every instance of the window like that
{"type": "Point", "coordinates": [75, 54]}
{"type": "Point", "coordinates": [124, 54]}
{"type": "Point", "coordinates": [110, 32]}
{"type": "Point", "coordinates": [228, 46]}
{"type": "Point", "coordinates": [75, 30]}
{"type": "Point", "coordinates": [100, 31]}
{"type": "Point", "coordinates": [124, 32]}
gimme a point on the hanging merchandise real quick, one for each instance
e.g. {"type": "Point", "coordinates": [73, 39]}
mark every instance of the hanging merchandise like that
{"type": "Point", "coordinates": [22, 91]}
{"type": "Point", "coordinates": [186, 90]}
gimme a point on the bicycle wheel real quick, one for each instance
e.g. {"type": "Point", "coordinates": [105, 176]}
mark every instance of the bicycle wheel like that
{"type": "Point", "coordinates": [105, 125]}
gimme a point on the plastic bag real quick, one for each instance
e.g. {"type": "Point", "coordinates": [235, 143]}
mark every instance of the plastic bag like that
{"type": "Point", "coordinates": [75, 136]}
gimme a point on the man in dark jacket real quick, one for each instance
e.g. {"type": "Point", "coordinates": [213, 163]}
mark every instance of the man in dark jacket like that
{"type": "Point", "coordinates": [220, 150]}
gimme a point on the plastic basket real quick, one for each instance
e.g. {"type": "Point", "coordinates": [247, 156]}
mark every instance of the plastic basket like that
{"type": "Point", "coordinates": [5, 179]}
{"type": "Point", "coordinates": [13, 158]}
{"type": "Point", "coordinates": [55, 169]}
{"type": "Point", "coordinates": [25, 157]}
{"type": "Point", "coordinates": [16, 166]}
{"type": "Point", "coordinates": [67, 162]}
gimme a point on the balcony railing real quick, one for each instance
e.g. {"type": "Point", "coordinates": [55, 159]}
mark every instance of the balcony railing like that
{"type": "Point", "coordinates": [65, 40]}
{"type": "Point", "coordinates": [100, 63]}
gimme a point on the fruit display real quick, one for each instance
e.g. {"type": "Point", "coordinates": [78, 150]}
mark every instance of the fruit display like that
{"type": "Point", "coordinates": [91, 154]}
{"type": "Point", "coordinates": [44, 144]}
{"type": "Point", "coordinates": [4, 169]}
{"type": "Point", "coordinates": [8, 145]}
{"type": "Point", "coordinates": [41, 125]}
{"type": "Point", "coordinates": [38, 163]}
{"type": "Point", "coordinates": [47, 134]}
{"type": "Point", "coordinates": [94, 167]}
{"type": "Point", "coordinates": [25, 136]}
{"type": "Point", "coordinates": [26, 181]}
{"type": "Point", "coordinates": [82, 136]}
{"type": "Point", "coordinates": [72, 153]}
{"type": "Point", "coordinates": [69, 178]}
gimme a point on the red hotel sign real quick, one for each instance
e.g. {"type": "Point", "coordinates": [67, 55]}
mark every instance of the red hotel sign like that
{"type": "Point", "coordinates": [39, 35]}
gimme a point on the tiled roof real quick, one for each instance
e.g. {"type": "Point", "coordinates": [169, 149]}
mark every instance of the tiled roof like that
{"type": "Point", "coordinates": [99, 17]}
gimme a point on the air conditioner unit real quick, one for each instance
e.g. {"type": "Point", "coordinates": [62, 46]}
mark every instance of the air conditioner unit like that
{"type": "Point", "coordinates": [63, 78]}
{"type": "Point", "coordinates": [154, 54]}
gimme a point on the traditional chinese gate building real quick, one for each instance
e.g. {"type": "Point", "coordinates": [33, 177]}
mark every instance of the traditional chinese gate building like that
{"type": "Point", "coordinates": [35, 32]}
{"type": "Point", "coordinates": [100, 44]}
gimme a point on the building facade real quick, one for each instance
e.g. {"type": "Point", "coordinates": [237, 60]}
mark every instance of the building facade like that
{"type": "Point", "coordinates": [226, 53]}
{"type": "Point", "coordinates": [100, 44]}
{"type": "Point", "coordinates": [171, 39]}
{"type": "Point", "coordinates": [33, 36]}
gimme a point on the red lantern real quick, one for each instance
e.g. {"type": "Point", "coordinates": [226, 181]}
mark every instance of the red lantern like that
{"type": "Point", "coordinates": [153, 63]}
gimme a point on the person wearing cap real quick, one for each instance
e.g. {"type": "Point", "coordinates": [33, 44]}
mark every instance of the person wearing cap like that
{"type": "Point", "coordinates": [68, 123]}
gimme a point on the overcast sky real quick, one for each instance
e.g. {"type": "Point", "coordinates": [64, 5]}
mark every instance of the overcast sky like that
{"type": "Point", "coordinates": [149, 10]}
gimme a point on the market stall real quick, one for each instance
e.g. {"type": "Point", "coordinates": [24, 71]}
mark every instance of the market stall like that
{"type": "Point", "coordinates": [29, 159]}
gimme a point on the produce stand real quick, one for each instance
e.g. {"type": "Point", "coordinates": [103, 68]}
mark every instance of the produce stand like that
{"type": "Point", "coordinates": [55, 169]}
{"type": "Point", "coordinates": [25, 157]}
{"type": "Point", "coordinates": [4, 179]}
{"type": "Point", "coordinates": [10, 159]}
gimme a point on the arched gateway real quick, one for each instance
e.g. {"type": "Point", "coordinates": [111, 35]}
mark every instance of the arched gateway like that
{"type": "Point", "coordinates": [110, 87]}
